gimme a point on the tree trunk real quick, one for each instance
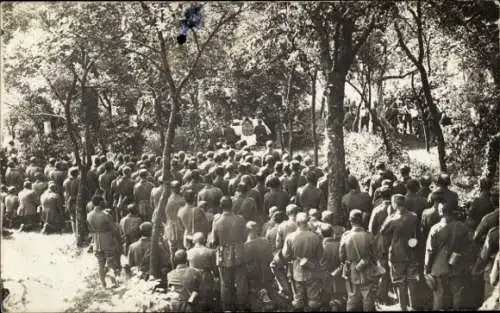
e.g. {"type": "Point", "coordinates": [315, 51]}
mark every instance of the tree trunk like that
{"type": "Point", "coordinates": [422, 114]}
{"type": "Point", "coordinates": [155, 262]}
{"type": "Point", "coordinates": [291, 113]}
{"type": "Point", "coordinates": [313, 117]}
{"type": "Point", "coordinates": [434, 119]}
{"type": "Point", "coordinates": [336, 151]}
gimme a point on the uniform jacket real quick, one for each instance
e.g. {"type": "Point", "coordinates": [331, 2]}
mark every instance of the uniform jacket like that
{"type": "Point", "coordinates": [245, 206]}
{"type": "Point", "coordinates": [398, 229]}
{"type": "Point", "coordinates": [446, 237]}
{"type": "Point", "coordinates": [129, 226]}
{"type": "Point", "coordinates": [415, 204]}
{"type": "Point", "coordinates": [211, 195]}
{"type": "Point", "coordinates": [285, 228]}
{"type": "Point", "coordinates": [489, 221]}
{"type": "Point", "coordinates": [52, 206]}
{"type": "Point", "coordinates": [39, 187]}
{"type": "Point", "coordinates": [185, 280]}
{"type": "Point", "coordinates": [28, 202]}
{"type": "Point", "coordinates": [193, 220]}
{"type": "Point", "coordinates": [275, 198]}
{"type": "Point", "coordinates": [139, 254]}
{"type": "Point", "coordinates": [309, 197]}
{"type": "Point", "coordinates": [357, 244]}
{"type": "Point", "coordinates": [356, 199]}
{"type": "Point", "coordinates": [229, 236]}
{"type": "Point", "coordinates": [304, 244]}
{"type": "Point", "coordinates": [258, 256]}
{"type": "Point", "coordinates": [173, 227]}
{"type": "Point", "coordinates": [480, 206]}
{"type": "Point", "coordinates": [105, 234]}
{"type": "Point", "coordinates": [222, 184]}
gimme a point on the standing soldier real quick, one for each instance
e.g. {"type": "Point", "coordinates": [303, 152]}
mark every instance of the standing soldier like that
{"type": "Point", "coordinates": [105, 180]}
{"type": "Point", "coordinates": [203, 259]}
{"type": "Point", "coordinates": [357, 252]}
{"type": "Point", "coordinates": [129, 227]}
{"type": "Point", "coordinates": [173, 227]}
{"type": "Point", "coordinates": [333, 285]}
{"type": "Point", "coordinates": [192, 218]}
{"type": "Point", "coordinates": [413, 201]}
{"type": "Point", "coordinates": [258, 254]}
{"type": "Point", "coordinates": [257, 193]}
{"type": "Point", "coordinates": [70, 186]}
{"type": "Point", "coordinates": [125, 189]}
{"type": "Point", "coordinates": [445, 260]}
{"type": "Point", "coordinates": [402, 230]}
{"type": "Point", "coordinates": [275, 196]}
{"type": "Point", "coordinates": [443, 182]}
{"type": "Point", "coordinates": [425, 189]}
{"type": "Point", "coordinates": [142, 195]}
{"type": "Point", "coordinates": [219, 180]}
{"type": "Point", "coordinates": [303, 248]}
{"type": "Point", "coordinates": [355, 199]}
{"type": "Point", "coordinates": [51, 166]}
{"type": "Point", "coordinates": [106, 238]}
{"type": "Point", "coordinates": [210, 194]}
{"type": "Point", "coordinates": [32, 169]}
{"type": "Point", "coordinates": [229, 237]}
{"type": "Point", "coordinates": [14, 176]}
{"type": "Point", "coordinates": [243, 204]}
{"type": "Point", "coordinates": [309, 196]}
{"type": "Point", "coordinates": [400, 184]}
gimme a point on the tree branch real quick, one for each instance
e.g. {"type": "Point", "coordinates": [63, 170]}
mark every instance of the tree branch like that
{"type": "Point", "coordinates": [405, 47]}
{"type": "Point", "coordinates": [222, 22]}
{"type": "Point", "coordinates": [146, 57]}
{"type": "Point", "coordinates": [363, 37]}
{"type": "Point", "coordinates": [383, 78]}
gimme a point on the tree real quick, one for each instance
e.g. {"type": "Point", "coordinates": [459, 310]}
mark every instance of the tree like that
{"type": "Point", "coordinates": [152, 28]}
{"type": "Point", "coordinates": [347, 26]}
{"type": "Point", "coordinates": [418, 61]}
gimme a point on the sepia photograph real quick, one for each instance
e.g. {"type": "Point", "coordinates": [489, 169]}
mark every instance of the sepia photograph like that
{"type": "Point", "coordinates": [249, 156]}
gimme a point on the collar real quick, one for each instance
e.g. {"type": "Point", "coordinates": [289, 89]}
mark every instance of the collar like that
{"type": "Point", "coordinates": [144, 238]}
{"type": "Point", "coordinates": [181, 266]}
{"type": "Point", "coordinates": [225, 213]}
{"type": "Point", "coordinates": [357, 228]}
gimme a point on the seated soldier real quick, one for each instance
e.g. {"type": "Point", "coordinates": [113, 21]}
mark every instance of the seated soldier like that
{"type": "Point", "coordinates": [183, 284]}
{"type": "Point", "coordinates": [140, 251]}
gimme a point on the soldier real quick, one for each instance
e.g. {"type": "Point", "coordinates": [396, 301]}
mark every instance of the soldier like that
{"type": "Point", "coordinates": [71, 186]}
{"type": "Point", "coordinates": [93, 177]}
{"type": "Point", "coordinates": [309, 196]}
{"type": "Point", "coordinates": [11, 205]}
{"type": "Point", "coordinates": [229, 236]}
{"type": "Point", "coordinates": [142, 195]}
{"type": "Point", "coordinates": [399, 186]}
{"type": "Point", "coordinates": [314, 223]}
{"type": "Point", "coordinates": [106, 238]}
{"type": "Point", "coordinates": [105, 180]}
{"type": "Point", "coordinates": [355, 199]}
{"type": "Point", "coordinates": [357, 252]}
{"type": "Point", "coordinates": [333, 285]}
{"type": "Point", "coordinates": [271, 229]}
{"type": "Point", "coordinates": [425, 183]}
{"type": "Point", "coordinates": [304, 249]}
{"type": "Point", "coordinates": [129, 226]}
{"type": "Point", "coordinates": [445, 260]}
{"type": "Point", "coordinates": [386, 183]}
{"type": "Point", "coordinates": [52, 209]}
{"type": "Point", "coordinates": [275, 196]}
{"type": "Point", "coordinates": [243, 204]}
{"type": "Point", "coordinates": [203, 259]}
{"type": "Point", "coordinates": [257, 193]}
{"type": "Point", "coordinates": [268, 167]}
{"type": "Point", "coordinates": [219, 180]}
{"type": "Point", "coordinates": [210, 194]}
{"type": "Point", "coordinates": [443, 182]}
{"type": "Point", "coordinates": [27, 210]}
{"type": "Point", "coordinates": [258, 255]}
{"type": "Point", "coordinates": [402, 229]}
{"type": "Point", "coordinates": [413, 201]}
{"type": "Point", "coordinates": [270, 151]}
{"type": "Point", "coordinates": [140, 252]}
{"type": "Point", "coordinates": [489, 221]}
{"type": "Point", "coordinates": [482, 204]}
{"type": "Point", "coordinates": [174, 230]}
{"type": "Point", "coordinates": [156, 193]}
{"type": "Point", "coordinates": [51, 166]}
{"type": "Point", "coordinates": [376, 181]}
{"type": "Point", "coordinates": [291, 183]}
{"type": "Point", "coordinates": [379, 215]}
{"type": "Point", "coordinates": [14, 176]}
{"type": "Point", "coordinates": [233, 183]}
{"type": "Point", "coordinates": [430, 216]}
{"type": "Point", "coordinates": [32, 169]}
{"type": "Point", "coordinates": [192, 218]}
{"type": "Point", "coordinates": [39, 185]}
